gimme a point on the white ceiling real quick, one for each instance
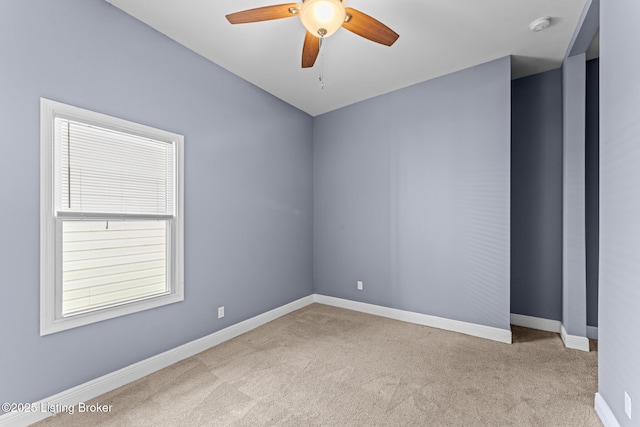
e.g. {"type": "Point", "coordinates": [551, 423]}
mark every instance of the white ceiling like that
{"type": "Point", "coordinates": [437, 37]}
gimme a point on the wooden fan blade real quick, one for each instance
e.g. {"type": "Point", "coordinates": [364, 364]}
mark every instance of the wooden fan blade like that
{"type": "Point", "coordinates": [310, 50]}
{"type": "Point", "coordinates": [277, 11]}
{"type": "Point", "coordinates": [369, 28]}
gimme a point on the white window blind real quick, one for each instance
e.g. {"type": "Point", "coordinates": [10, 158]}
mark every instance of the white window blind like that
{"type": "Point", "coordinates": [111, 172]}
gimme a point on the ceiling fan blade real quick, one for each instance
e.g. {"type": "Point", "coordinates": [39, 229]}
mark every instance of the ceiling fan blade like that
{"type": "Point", "coordinates": [277, 11]}
{"type": "Point", "coordinates": [369, 28]}
{"type": "Point", "coordinates": [310, 50]}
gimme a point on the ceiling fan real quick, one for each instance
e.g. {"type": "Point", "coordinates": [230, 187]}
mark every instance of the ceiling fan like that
{"type": "Point", "coordinates": [321, 18]}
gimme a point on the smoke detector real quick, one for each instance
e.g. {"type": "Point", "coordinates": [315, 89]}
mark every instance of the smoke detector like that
{"type": "Point", "coordinates": [540, 24]}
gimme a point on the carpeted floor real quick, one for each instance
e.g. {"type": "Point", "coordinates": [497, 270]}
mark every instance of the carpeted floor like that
{"type": "Point", "coordinates": [325, 366]}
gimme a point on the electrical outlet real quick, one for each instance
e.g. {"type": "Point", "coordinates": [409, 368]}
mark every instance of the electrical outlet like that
{"type": "Point", "coordinates": [220, 312]}
{"type": "Point", "coordinates": [627, 404]}
{"type": "Point", "coordinates": [360, 285]}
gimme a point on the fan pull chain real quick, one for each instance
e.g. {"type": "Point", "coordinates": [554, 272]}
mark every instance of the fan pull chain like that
{"type": "Point", "coordinates": [321, 76]}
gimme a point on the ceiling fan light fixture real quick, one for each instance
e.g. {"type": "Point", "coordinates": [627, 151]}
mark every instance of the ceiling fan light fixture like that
{"type": "Point", "coordinates": [322, 17]}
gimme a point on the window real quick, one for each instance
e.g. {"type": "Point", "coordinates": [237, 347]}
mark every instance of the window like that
{"type": "Point", "coordinates": [111, 217]}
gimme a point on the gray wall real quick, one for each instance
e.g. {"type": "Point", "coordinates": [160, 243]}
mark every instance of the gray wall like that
{"type": "Point", "coordinates": [592, 159]}
{"type": "Point", "coordinates": [574, 287]}
{"type": "Point", "coordinates": [248, 219]}
{"type": "Point", "coordinates": [536, 195]}
{"type": "Point", "coordinates": [588, 26]}
{"type": "Point", "coordinates": [412, 196]}
{"type": "Point", "coordinates": [619, 310]}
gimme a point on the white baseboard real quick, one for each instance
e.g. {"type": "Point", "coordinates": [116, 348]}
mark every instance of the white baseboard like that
{"type": "Point", "coordinates": [570, 341]}
{"type": "Point", "coordinates": [488, 332]}
{"type": "Point", "coordinates": [106, 383]}
{"type": "Point", "coordinates": [604, 412]}
{"type": "Point", "coordinates": [536, 323]}
{"type": "Point", "coordinates": [574, 341]}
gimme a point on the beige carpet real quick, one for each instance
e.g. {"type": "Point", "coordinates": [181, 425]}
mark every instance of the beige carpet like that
{"type": "Point", "coordinates": [332, 367]}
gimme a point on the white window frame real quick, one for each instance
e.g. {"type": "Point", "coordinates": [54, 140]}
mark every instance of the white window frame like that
{"type": "Point", "coordinates": [51, 318]}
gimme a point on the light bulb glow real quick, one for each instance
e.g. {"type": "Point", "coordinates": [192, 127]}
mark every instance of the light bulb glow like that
{"type": "Point", "coordinates": [323, 12]}
{"type": "Point", "coordinates": [322, 17]}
